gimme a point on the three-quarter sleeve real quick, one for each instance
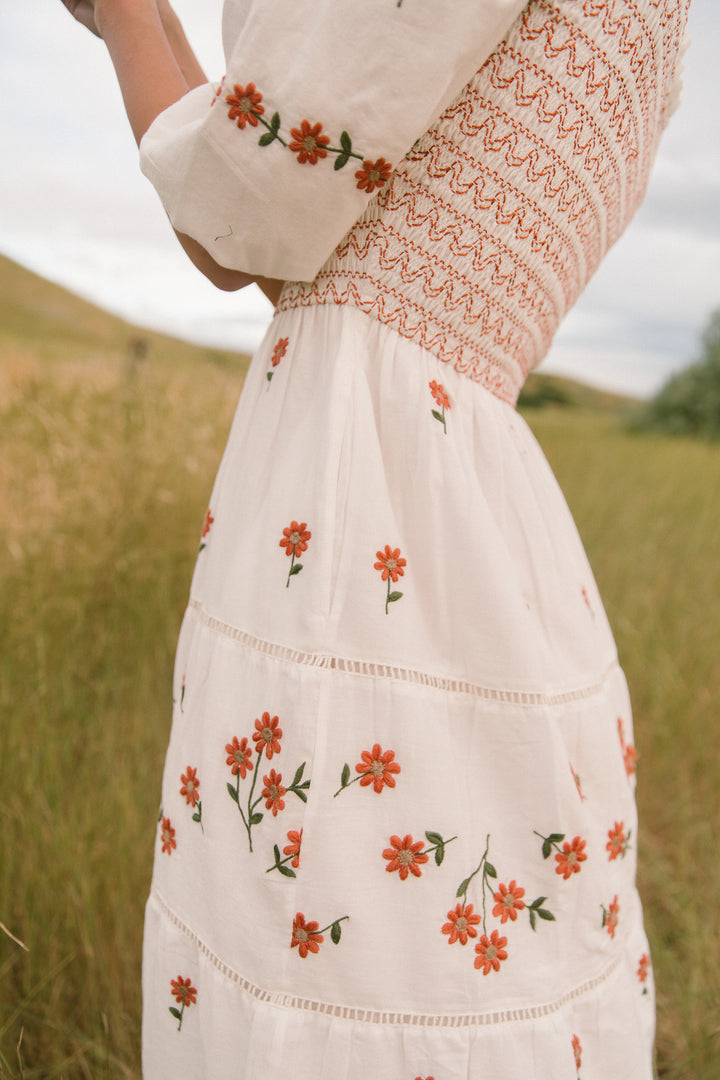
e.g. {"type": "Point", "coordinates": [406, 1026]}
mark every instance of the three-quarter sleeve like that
{"type": "Point", "coordinates": [321, 100]}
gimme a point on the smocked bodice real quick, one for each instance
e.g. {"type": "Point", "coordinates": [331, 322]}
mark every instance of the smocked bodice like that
{"type": "Point", "coordinates": [495, 221]}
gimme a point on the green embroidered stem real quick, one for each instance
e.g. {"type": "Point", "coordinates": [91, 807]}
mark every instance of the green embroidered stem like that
{"type": "Point", "coordinates": [345, 783]}
{"type": "Point", "coordinates": [178, 1014]}
{"type": "Point", "coordinates": [387, 599]}
{"type": "Point", "coordinates": [438, 845]}
{"type": "Point", "coordinates": [249, 823]}
{"type": "Point", "coordinates": [279, 863]}
{"type": "Point", "coordinates": [550, 842]}
{"type": "Point", "coordinates": [273, 127]}
{"type": "Point", "coordinates": [197, 816]}
{"type": "Point", "coordinates": [292, 563]}
{"type": "Point", "coordinates": [335, 929]}
{"type": "Point", "coordinates": [488, 871]}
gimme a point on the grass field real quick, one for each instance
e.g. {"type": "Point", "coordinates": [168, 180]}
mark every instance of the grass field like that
{"type": "Point", "coordinates": [106, 465]}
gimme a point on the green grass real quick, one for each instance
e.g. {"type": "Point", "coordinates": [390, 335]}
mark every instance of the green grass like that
{"type": "Point", "coordinates": [105, 471]}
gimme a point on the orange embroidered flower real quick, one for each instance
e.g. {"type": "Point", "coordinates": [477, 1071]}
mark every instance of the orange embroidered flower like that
{"type": "Point", "coordinates": [295, 539]}
{"type": "Point", "coordinates": [390, 563]}
{"type": "Point", "coordinates": [267, 735]}
{"type": "Point", "coordinates": [273, 792]}
{"type": "Point", "coordinates": [611, 917]}
{"type": "Point", "coordinates": [190, 785]}
{"type": "Point", "coordinates": [617, 841]}
{"type": "Point", "coordinates": [308, 143]}
{"type": "Point", "coordinates": [490, 951]}
{"type": "Point", "coordinates": [293, 848]}
{"type": "Point", "coordinates": [508, 902]}
{"type": "Point", "coordinates": [643, 967]}
{"type": "Point", "coordinates": [569, 859]}
{"type": "Point", "coordinates": [245, 105]}
{"type": "Point", "coordinates": [239, 754]}
{"type": "Point", "coordinates": [183, 991]}
{"type": "Point", "coordinates": [207, 523]}
{"type": "Point", "coordinates": [378, 768]}
{"type": "Point", "coordinates": [279, 351]}
{"type": "Point", "coordinates": [305, 936]}
{"type": "Point", "coordinates": [461, 924]}
{"type": "Point", "coordinates": [630, 759]}
{"type": "Point", "coordinates": [373, 174]}
{"type": "Point", "coordinates": [438, 392]}
{"type": "Point", "coordinates": [577, 1051]}
{"type": "Point", "coordinates": [167, 835]}
{"type": "Point", "coordinates": [405, 857]}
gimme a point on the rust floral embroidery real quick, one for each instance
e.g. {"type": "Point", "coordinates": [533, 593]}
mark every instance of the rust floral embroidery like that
{"type": "Point", "coordinates": [578, 785]}
{"type": "Point", "coordinates": [438, 392]}
{"type": "Point", "coordinates": [209, 519]}
{"type": "Point", "coordinates": [167, 836]}
{"type": "Point", "coordinates": [295, 541]}
{"type": "Point", "coordinates": [277, 355]}
{"type": "Point", "coordinates": [308, 143]}
{"type": "Point", "coordinates": [189, 786]}
{"type": "Point", "coordinates": [185, 994]}
{"type": "Point", "coordinates": [490, 952]}
{"type": "Point", "coordinates": [577, 1051]}
{"type": "Point", "coordinates": [306, 937]}
{"type": "Point", "coordinates": [245, 107]}
{"type": "Point", "coordinates": [586, 600]}
{"type": "Point", "coordinates": [267, 736]}
{"type": "Point", "coordinates": [568, 857]}
{"type": "Point", "coordinates": [461, 924]}
{"type": "Point", "coordinates": [406, 855]}
{"type": "Point", "coordinates": [292, 851]}
{"type": "Point", "coordinates": [273, 792]}
{"type": "Point", "coordinates": [507, 899]}
{"type": "Point", "coordinates": [618, 843]}
{"type": "Point", "coordinates": [628, 751]}
{"type": "Point", "coordinates": [643, 971]}
{"type": "Point", "coordinates": [373, 174]}
{"type": "Point", "coordinates": [611, 916]}
{"type": "Point", "coordinates": [376, 768]}
{"type": "Point", "coordinates": [391, 567]}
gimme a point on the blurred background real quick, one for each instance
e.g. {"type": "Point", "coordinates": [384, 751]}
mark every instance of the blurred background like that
{"type": "Point", "coordinates": [110, 434]}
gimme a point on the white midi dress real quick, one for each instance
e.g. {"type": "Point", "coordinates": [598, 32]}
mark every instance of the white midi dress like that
{"type": "Point", "coordinates": [398, 832]}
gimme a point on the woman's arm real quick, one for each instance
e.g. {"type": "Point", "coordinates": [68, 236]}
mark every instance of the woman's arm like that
{"type": "Point", "coordinates": [155, 67]}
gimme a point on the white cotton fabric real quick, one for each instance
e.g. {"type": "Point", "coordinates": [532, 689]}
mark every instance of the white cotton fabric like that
{"type": "Point", "coordinates": [481, 688]}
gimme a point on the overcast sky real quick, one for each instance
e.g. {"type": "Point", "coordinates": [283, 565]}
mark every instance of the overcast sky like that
{"type": "Point", "coordinates": [74, 207]}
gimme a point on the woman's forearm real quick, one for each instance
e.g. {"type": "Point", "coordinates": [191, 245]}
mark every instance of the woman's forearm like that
{"type": "Point", "coordinates": [185, 58]}
{"type": "Point", "coordinates": [149, 75]}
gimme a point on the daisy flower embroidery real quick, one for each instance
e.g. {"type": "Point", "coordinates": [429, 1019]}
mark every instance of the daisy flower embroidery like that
{"type": "Point", "coordinates": [307, 937]}
{"type": "Point", "coordinates": [295, 541]}
{"type": "Point", "coordinates": [277, 355]}
{"type": "Point", "coordinates": [190, 787]}
{"type": "Point", "coordinates": [391, 566]}
{"type": "Point", "coordinates": [185, 994]}
{"type": "Point", "coordinates": [377, 768]}
{"type": "Point", "coordinates": [440, 397]}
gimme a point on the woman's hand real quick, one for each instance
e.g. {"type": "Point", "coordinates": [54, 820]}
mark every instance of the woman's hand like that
{"type": "Point", "coordinates": [84, 12]}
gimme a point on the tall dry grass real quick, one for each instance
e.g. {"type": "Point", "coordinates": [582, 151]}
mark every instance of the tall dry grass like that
{"type": "Point", "coordinates": [106, 468]}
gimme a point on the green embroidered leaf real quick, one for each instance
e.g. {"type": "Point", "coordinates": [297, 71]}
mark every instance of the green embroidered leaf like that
{"type": "Point", "coordinates": [298, 774]}
{"type": "Point", "coordinates": [545, 914]}
{"type": "Point", "coordinates": [276, 851]}
{"type": "Point", "coordinates": [345, 142]}
{"type": "Point", "coordinates": [538, 903]}
{"type": "Point", "coordinates": [305, 784]}
{"type": "Point", "coordinates": [556, 837]}
{"type": "Point", "coordinates": [393, 597]}
{"type": "Point", "coordinates": [300, 793]}
{"type": "Point", "coordinates": [266, 139]}
{"type": "Point", "coordinates": [341, 161]}
{"type": "Point", "coordinates": [286, 871]}
{"type": "Point", "coordinates": [438, 416]}
{"type": "Point", "coordinates": [344, 778]}
{"type": "Point", "coordinates": [202, 546]}
{"type": "Point", "coordinates": [275, 123]}
{"type": "Point", "coordinates": [175, 1012]}
{"type": "Point", "coordinates": [532, 919]}
{"type": "Point", "coordinates": [439, 854]}
{"type": "Point", "coordinates": [546, 849]}
{"type": "Point", "coordinates": [196, 817]}
{"type": "Point", "coordinates": [463, 887]}
{"type": "Point", "coordinates": [160, 814]}
{"type": "Point", "coordinates": [232, 793]}
{"type": "Point", "coordinates": [256, 819]}
{"type": "Point", "coordinates": [335, 932]}
{"type": "Point", "coordinates": [434, 838]}
{"type": "Point", "coordinates": [269, 375]}
{"type": "Point", "coordinates": [296, 569]}
{"type": "Point", "coordinates": [490, 870]}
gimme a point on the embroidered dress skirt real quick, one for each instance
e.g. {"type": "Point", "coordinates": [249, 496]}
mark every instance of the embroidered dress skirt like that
{"type": "Point", "coordinates": [398, 829]}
